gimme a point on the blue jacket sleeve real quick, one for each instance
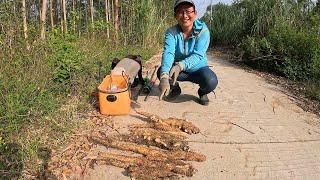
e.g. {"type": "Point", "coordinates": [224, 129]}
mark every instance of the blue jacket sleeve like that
{"type": "Point", "coordinates": [200, 48]}
{"type": "Point", "coordinates": [168, 51]}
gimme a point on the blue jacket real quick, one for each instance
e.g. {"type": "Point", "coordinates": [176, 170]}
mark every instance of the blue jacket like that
{"type": "Point", "coordinates": [191, 53]}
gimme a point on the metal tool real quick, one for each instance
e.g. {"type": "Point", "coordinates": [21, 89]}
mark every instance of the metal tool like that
{"type": "Point", "coordinates": [135, 98]}
{"type": "Point", "coordinates": [152, 82]}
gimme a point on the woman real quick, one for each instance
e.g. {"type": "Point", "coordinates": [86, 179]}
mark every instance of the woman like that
{"type": "Point", "coordinates": [184, 55]}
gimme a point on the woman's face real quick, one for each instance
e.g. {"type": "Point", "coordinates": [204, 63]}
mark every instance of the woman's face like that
{"type": "Point", "coordinates": [185, 15]}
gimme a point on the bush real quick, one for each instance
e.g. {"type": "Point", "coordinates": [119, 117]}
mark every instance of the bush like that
{"type": "Point", "coordinates": [225, 24]}
{"type": "Point", "coordinates": [281, 37]}
{"type": "Point", "coordinates": [298, 48]}
{"type": "Point", "coordinates": [271, 29]}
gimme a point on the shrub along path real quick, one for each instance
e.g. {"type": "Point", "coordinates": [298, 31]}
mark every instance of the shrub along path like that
{"type": "Point", "coordinates": [250, 130]}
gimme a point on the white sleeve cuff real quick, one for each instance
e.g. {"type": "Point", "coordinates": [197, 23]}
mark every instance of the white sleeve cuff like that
{"type": "Point", "coordinates": [181, 65]}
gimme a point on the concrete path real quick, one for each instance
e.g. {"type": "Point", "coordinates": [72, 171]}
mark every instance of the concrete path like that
{"type": "Point", "coordinates": [250, 130]}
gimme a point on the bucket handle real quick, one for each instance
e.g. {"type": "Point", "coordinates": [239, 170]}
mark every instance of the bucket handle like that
{"type": "Point", "coordinates": [126, 79]}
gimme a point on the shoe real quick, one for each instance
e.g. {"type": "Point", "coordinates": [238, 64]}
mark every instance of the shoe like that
{"type": "Point", "coordinates": [174, 92]}
{"type": "Point", "coordinates": [203, 98]}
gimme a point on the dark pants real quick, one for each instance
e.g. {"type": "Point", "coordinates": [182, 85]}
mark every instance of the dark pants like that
{"type": "Point", "coordinates": [204, 77]}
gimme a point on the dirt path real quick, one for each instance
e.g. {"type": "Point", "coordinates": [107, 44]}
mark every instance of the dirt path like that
{"type": "Point", "coordinates": [250, 130]}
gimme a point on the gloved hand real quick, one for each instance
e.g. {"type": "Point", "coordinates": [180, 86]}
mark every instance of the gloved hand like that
{"type": "Point", "coordinates": [175, 71]}
{"type": "Point", "coordinates": [164, 86]}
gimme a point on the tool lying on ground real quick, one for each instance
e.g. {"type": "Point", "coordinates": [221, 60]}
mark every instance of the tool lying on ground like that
{"type": "Point", "coordinates": [151, 83]}
{"type": "Point", "coordinates": [146, 79]}
{"type": "Point", "coordinates": [148, 85]}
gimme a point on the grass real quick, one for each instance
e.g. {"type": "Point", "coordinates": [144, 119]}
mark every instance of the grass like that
{"type": "Point", "coordinates": [43, 91]}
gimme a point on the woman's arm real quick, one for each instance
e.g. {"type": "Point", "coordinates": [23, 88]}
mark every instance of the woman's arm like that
{"type": "Point", "coordinates": [168, 51]}
{"type": "Point", "coordinates": [200, 49]}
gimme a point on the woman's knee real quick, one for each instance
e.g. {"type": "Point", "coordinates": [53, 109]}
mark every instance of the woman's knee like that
{"type": "Point", "coordinates": [213, 83]}
{"type": "Point", "coordinates": [210, 81]}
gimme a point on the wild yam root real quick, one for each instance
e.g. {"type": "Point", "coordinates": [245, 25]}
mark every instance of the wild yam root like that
{"type": "Point", "coordinates": [148, 151]}
{"type": "Point", "coordinates": [160, 149]}
{"type": "Point", "coordinates": [175, 123]}
{"type": "Point", "coordinates": [147, 166]}
{"type": "Point", "coordinates": [161, 139]}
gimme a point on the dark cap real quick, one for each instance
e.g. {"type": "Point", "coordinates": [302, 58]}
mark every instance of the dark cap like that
{"type": "Point", "coordinates": [179, 2]}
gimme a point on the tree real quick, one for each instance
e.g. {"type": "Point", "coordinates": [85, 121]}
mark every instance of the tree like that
{"type": "Point", "coordinates": [51, 13]}
{"type": "Point", "coordinates": [107, 11]}
{"type": "Point", "coordinates": [43, 19]}
{"type": "Point", "coordinates": [25, 25]}
{"type": "Point", "coordinates": [65, 30]}
{"type": "Point", "coordinates": [317, 8]}
{"type": "Point", "coordinates": [91, 14]}
{"type": "Point", "coordinates": [74, 16]}
{"type": "Point", "coordinates": [116, 18]}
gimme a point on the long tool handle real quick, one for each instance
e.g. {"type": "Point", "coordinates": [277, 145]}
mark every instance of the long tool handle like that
{"type": "Point", "coordinates": [135, 98]}
{"type": "Point", "coordinates": [153, 81]}
{"type": "Point", "coordinates": [99, 71]}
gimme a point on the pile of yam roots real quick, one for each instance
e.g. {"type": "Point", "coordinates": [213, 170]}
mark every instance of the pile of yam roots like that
{"type": "Point", "coordinates": [157, 149]}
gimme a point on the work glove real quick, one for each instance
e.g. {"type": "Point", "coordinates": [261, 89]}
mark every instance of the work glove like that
{"type": "Point", "coordinates": [175, 71]}
{"type": "Point", "coordinates": [164, 86]}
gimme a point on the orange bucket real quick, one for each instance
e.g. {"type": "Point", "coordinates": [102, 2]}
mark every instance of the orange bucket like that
{"type": "Point", "coordinates": [114, 96]}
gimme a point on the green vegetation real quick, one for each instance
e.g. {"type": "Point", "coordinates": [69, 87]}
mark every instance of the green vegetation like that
{"type": "Point", "coordinates": [46, 79]}
{"type": "Point", "coordinates": [34, 89]}
{"type": "Point", "coordinates": [277, 36]}
{"type": "Point", "coordinates": [45, 82]}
